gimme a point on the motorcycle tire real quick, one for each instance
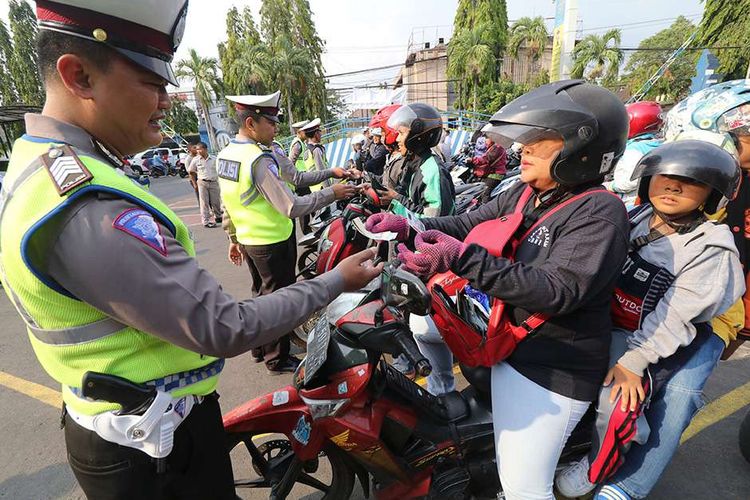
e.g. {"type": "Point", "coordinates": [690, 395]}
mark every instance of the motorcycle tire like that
{"type": "Point", "coordinates": [183, 174]}
{"type": "Point", "coordinates": [744, 437]}
{"type": "Point", "coordinates": [302, 332]}
{"type": "Point", "coordinates": [306, 263]}
{"type": "Point", "coordinates": [137, 170]}
{"type": "Point", "coordinates": [341, 474]}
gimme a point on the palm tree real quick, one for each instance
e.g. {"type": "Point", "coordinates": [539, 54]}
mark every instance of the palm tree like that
{"type": "Point", "coordinates": [603, 51]}
{"type": "Point", "coordinates": [532, 34]}
{"type": "Point", "coordinates": [204, 73]}
{"type": "Point", "coordinates": [290, 67]}
{"type": "Point", "coordinates": [470, 57]}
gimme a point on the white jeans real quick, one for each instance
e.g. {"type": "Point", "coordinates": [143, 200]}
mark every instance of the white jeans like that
{"type": "Point", "coordinates": [532, 425]}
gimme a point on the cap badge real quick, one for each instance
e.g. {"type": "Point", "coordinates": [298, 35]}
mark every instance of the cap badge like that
{"type": "Point", "coordinates": [100, 35]}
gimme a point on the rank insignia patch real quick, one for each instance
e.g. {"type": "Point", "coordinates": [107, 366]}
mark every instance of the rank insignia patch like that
{"type": "Point", "coordinates": [65, 168]}
{"type": "Point", "coordinates": [141, 225]}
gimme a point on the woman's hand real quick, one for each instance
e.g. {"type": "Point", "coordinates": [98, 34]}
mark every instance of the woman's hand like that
{"type": "Point", "coordinates": [236, 255]}
{"type": "Point", "coordinates": [626, 383]}
{"type": "Point", "coordinates": [437, 253]}
{"type": "Point", "coordinates": [384, 221]}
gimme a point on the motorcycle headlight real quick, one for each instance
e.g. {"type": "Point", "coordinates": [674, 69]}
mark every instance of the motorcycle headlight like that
{"type": "Point", "coordinates": [321, 408]}
{"type": "Point", "coordinates": [324, 244]}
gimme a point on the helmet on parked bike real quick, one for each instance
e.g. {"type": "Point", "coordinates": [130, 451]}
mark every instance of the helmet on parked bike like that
{"type": "Point", "coordinates": [645, 117]}
{"type": "Point", "coordinates": [380, 120]}
{"type": "Point", "coordinates": [700, 160]}
{"type": "Point", "coordinates": [591, 121]}
{"type": "Point", "coordinates": [424, 123]}
{"type": "Point", "coordinates": [724, 107]}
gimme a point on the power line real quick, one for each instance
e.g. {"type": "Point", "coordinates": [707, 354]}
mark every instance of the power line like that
{"type": "Point", "coordinates": [638, 23]}
{"type": "Point", "coordinates": [384, 67]}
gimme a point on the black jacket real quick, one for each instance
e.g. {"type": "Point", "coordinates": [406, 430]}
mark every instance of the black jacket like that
{"type": "Point", "coordinates": [566, 267]}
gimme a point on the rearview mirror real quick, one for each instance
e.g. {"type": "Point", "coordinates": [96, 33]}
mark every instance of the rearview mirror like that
{"type": "Point", "coordinates": [402, 289]}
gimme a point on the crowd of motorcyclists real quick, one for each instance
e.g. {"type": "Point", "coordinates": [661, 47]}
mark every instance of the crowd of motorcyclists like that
{"type": "Point", "coordinates": [590, 258]}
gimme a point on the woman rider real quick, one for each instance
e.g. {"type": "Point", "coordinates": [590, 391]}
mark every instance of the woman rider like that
{"type": "Point", "coordinates": [573, 133]}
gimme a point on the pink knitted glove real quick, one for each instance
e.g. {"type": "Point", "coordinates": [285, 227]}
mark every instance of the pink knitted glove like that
{"type": "Point", "coordinates": [384, 221]}
{"type": "Point", "coordinates": [438, 252]}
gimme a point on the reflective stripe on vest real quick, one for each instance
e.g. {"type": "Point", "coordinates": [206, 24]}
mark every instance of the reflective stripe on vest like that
{"type": "Point", "coordinates": [69, 336]}
{"type": "Point", "coordinates": [299, 163]}
{"type": "Point", "coordinates": [256, 221]}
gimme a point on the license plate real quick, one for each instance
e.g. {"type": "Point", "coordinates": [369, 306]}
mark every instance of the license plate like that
{"type": "Point", "coordinates": [317, 347]}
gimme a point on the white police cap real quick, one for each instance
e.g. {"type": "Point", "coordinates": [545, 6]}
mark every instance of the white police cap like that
{"type": "Point", "coordinates": [266, 105]}
{"type": "Point", "coordinates": [312, 125]}
{"type": "Point", "coordinates": [147, 32]}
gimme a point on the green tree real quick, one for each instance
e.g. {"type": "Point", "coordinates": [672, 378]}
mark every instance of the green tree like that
{"type": "Point", "coordinates": [600, 51]}
{"type": "Point", "coordinates": [471, 61]}
{"type": "Point", "coordinates": [242, 36]}
{"type": "Point", "coordinates": [292, 20]}
{"type": "Point", "coordinates": [181, 118]}
{"type": "Point", "coordinates": [495, 95]}
{"type": "Point", "coordinates": [8, 93]}
{"type": "Point", "coordinates": [675, 83]}
{"type": "Point", "coordinates": [289, 70]}
{"type": "Point", "coordinates": [532, 34]}
{"type": "Point", "coordinates": [493, 15]}
{"type": "Point", "coordinates": [727, 24]}
{"type": "Point", "coordinates": [203, 72]}
{"type": "Point", "coordinates": [23, 64]}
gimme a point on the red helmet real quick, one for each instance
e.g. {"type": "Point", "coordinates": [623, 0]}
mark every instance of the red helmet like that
{"type": "Point", "coordinates": [380, 120]}
{"type": "Point", "coordinates": [645, 116]}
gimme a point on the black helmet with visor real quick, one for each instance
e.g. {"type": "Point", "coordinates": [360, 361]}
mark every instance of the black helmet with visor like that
{"type": "Point", "coordinates": [424, 123]}
{"type": "Point", "coordinates": [591, 121]}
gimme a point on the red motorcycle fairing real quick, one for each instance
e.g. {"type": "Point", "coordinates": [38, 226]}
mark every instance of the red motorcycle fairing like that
{"type": "Point", "coordinates": [365, 315]}
{"type": "Point", "coordinates": [282, 412]}
{"type": "Point", "coordinates": [347, 384]}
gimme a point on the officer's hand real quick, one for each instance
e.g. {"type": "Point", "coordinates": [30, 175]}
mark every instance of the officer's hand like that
{"type": "Point", "coordinates": [344, 191]}
{"type": "Point", "coordinates": [340, 173]}
{"type": "Point", "coordinates": [358, 270]}
{"type": "Point", "coordinates": [236, 256]}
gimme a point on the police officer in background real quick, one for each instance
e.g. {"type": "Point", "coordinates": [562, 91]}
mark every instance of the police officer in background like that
{"type": "Point", "coordinates": [298, 145]}
{"type": "Point", "coordinates": [106, 279]}
{"type": "Point", "coordinates": [259, 207]}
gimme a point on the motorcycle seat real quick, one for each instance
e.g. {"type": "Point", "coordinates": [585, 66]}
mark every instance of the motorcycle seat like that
{"type": "Point", "coordinates": [466, 187]}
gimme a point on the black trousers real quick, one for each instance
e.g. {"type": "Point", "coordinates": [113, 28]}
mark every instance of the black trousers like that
{"type": "Point", "coordinates": [305, 219]}
{"type": "Point", "coordinates": [272, 267]}
{"type": "Point", "coordinates": [197, 468]}
{"type": "Point", "coordinates": [491, 184]}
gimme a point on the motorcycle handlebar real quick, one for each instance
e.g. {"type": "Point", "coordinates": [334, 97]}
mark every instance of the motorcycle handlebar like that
{"type": "Point", "coordinates": [408, 346]}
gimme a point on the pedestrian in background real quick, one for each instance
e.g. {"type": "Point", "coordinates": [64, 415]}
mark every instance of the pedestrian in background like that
{"type": "Point", "coordinates": [209, 195]}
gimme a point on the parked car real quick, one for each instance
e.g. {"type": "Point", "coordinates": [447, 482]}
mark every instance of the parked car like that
{"type": "Point", "coordinates": [137, 161]}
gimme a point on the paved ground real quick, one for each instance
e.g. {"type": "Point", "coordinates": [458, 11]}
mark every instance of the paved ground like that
{"type": "Point", "coordinates": [32, 455]}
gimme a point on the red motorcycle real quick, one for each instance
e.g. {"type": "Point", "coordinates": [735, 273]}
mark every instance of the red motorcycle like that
{"type": "Point", "coordinates": [348, 407]}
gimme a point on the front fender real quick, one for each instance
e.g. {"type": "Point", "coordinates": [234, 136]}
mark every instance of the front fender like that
{"type": "Point", "coordinates": [279, 412]}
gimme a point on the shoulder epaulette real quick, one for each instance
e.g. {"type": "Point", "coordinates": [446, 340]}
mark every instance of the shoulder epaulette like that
{"type": "Point", "coordinates": [66, 170]}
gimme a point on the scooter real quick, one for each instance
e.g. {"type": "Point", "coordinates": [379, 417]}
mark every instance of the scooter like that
{"type": "Point", "coordinates": [348, 413]}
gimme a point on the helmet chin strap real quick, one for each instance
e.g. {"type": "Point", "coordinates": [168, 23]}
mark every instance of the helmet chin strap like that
{"type": "Point", "coordinates": [684, 223]}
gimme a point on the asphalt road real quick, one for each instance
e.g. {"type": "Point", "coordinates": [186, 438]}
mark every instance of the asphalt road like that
{"type": "Point", "coordinates": [32, 452]}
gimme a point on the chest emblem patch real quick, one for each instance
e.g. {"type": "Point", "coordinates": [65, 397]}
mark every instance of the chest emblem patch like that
{"type": "Point", "coordinates": [141, 225]}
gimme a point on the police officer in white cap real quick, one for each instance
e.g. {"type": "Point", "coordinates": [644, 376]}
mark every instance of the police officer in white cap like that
{"type": "Point", "coordinates": [259, 207]}
{"type": "Point", "coordinates": [102, 272]}
{"type": "Point", "coordinates": [314, 157]}
{"type": "Point", "coordinates": [298, 144]}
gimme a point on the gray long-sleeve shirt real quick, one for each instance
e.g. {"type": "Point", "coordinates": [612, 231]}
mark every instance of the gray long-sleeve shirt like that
{"type": "Point", "coordinates": [271, 175]}
{"type": "Point", "coordinates": [166, 294]}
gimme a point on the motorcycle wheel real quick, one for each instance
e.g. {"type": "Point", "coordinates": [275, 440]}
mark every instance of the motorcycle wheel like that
{"type": "Point", "coordinates": [306, 263]}
{"type": "Point", "coordinates": [295, 479]}
{"type": "Point", "coordinates": [745, 437]}
{"type": "Point", "coordinates": [303, 331]}
{"type": "Point", "coordinates": [137, 170]}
